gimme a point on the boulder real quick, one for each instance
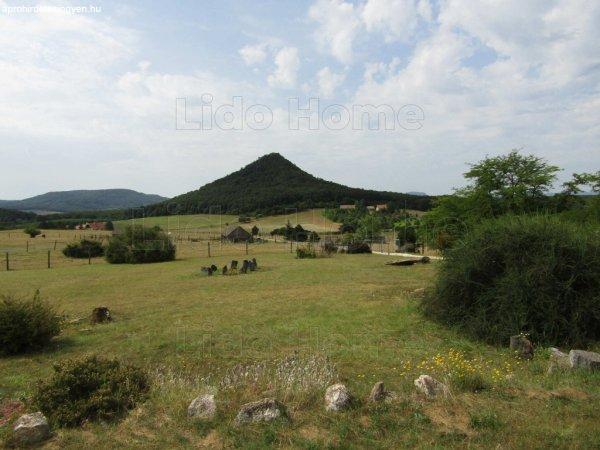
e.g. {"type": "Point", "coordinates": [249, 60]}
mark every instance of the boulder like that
{"type": "Point", "coordinates": [234, 264]}
{"type": "Point", "coordinates": [430, 386]}
{"type": "Point", "coordinates": [265, 410]}
{"type": "Point", "coordinates": [402, 262]}
{"type": "Point", "coordinates": [203, 407]}
{"type": "Point", "coordinates": [337, 397]}
{"type": "Point", "coordinates": [558, 360]}
{"type": "Point", "coordinates": [584, 360]}
{"type": "Point", "coordinates": [101, 315]}
{"type": "Point", "coordinates": [213, 268]}
{"type": "Point", "coordinates": [31, 429]}
{"type": "Point", "coordinates": [378, 393]}
{"type": "Point", "coordinates": [224, 270]}
{"type": "Point", "coordinates": [522, 346]}
{"type": "Point", "coordinates": [255, 263]}
{"type": "Point", "coordinates": [425, 260]}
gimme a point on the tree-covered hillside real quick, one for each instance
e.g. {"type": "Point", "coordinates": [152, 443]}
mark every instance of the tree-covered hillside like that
{"type": "Point", "coordinates": [270, 185]}
{"type": "Point", "coordinates": [83, 200]}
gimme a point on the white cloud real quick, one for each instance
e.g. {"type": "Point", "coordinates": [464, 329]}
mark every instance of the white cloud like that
{"type": "Point", "coordinates": [339, 24]}
{"type": "Point", "coordinates": [396, 19]}
{"type": "Point", "coordinates": [287, 65]}
{"type": "Point", "coordinates": [253, 54]}
{"type": "Point", "coordinates": [329, 81]}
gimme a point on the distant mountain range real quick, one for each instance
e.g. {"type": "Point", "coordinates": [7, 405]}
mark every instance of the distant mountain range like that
{"type": "Point", "coordinates": [272, 185]}
{"type": "Point", "coordinates": [82, 200]}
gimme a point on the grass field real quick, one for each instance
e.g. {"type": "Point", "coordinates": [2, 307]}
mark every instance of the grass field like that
{"type": "Point", "coordinates": [214, 223]}
{"type": "Point", "coordinates": [346, 318]}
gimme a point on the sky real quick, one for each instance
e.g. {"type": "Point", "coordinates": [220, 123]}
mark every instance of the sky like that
{"type": "Point", "coordinates": [163, 97]}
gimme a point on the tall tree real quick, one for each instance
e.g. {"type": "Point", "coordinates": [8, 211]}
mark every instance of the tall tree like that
{"type": "Point", "coordinates": [512, 183]}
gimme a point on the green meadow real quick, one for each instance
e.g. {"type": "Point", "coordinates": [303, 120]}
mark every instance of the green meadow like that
{"type": "Point", "coordinates": [289, 330]}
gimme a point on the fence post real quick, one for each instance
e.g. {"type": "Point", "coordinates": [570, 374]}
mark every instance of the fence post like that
{"type": "Point", "coordinates": [7, 263]}
{"type": "Point", "coordinates": [208, 245]}
{"type": "Point", "coordinates": [291, 243]}
{"type": "Point", "coordinates": [246, 247]}
{"type": "Point", "coordinates": [27, 248]}
{"type": "Point", "coordinates": [89, 258]}
{"type": "Point", "coordinates": [48, 259]}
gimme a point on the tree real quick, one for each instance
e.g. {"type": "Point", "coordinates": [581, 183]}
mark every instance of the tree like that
{"type": "Point", "coordinates": [109, 226]}
{"type": "Point", "coordinates": [255, 230]}
{"type": "Point", "coordinates": [512, 183]}
{"type": "Point", "coordinates": [32, 231]}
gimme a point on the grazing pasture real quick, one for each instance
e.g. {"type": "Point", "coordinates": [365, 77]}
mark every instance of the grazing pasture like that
{"type": "Point", "coordinates": [288, 330]}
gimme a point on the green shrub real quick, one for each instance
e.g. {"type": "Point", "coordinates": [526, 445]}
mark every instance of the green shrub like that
{"type": "Point", "coordinates": [528, 274]}
{"type": "Point", "coordinates": [26, 324]}
{"type": "Point", "coordinates": [359, 247]}
{"type": "Point", "coordinates": [138, 244]}
{"type": "Point", "coordinates": [83, 249]}
{"type": "Point", "coordinates": [32, 231]}
{"type": "Point", "coordinates": [305, 252]}
{"type": "Point", "coordinates": [90, 389]}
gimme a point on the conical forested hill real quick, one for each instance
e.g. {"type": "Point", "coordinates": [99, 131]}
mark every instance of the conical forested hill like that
{"type": "Point", "coordinates": [271, 184]}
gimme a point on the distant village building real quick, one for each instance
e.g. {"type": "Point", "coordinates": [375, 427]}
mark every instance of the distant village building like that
{"type": "Point", "coordinates": [380, 207]}
{"type": "Point", "coordinates": [347, 206]}
{"type": "Point", "coordinates": [96, 226]}
{"type": "Point", "coordinates": [235, 233]}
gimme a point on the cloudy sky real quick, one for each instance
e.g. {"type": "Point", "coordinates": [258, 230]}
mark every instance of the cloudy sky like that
{"type": "Point", "coordinates": [89, 99]}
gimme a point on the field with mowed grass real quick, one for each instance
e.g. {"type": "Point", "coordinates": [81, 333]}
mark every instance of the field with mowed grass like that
{"type": "Point", "coordinates": [288, 331]}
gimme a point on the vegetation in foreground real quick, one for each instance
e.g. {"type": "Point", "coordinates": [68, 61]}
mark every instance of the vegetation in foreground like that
{"type": "Point", "coordinates": [288, 331]}
{"type": "Point", "coordinates": [91, 388]}
{"type": "Point", "coordinates": [536, 275]}
{"type": "Point", "coordinates": [26, 324]}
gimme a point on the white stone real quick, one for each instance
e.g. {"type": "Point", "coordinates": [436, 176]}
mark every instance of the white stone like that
{"type": "Point", "coordinates": [265, 410]}
{"type": "Point", "coordinates": [203, 407]}
{"type": "Point", "coordinates": [584, 360]}
{"type": "Point", "coordinates": [31, 428]}
{"type": "Point", "coordinates": [337, 397]}
{"type": "Point", "coordinates": [430, 387]}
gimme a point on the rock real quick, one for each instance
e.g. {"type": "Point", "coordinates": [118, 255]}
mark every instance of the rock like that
{"type": "Point", "coordinates": [203, 407]}
{"type": "Point", "coordinates": [213, 268]}
{"type": "Point", "coordinates": [425, 259]}
{"type": "Point", "coordinates": [255, 263]}
{"type": "Point", "coordinates": [101, 315]}
{"type": "Point", "coordinates": [244, 268]}
{"type": "Point", "coordinates": [234, 264]}
{"type": "Point", "coordinates": [378, 393]}
{"type": "Point", "coordinates": [430, 387]}
{"type": "Point", "coordinates": [224, 270]}
{"type": "Point", "coordinates": [558, 360]}
{"type": "Point", "coordinates": [584, 360]}
{"type": "Point", "coordinates": [31, 428]}
{"type": "Point", "coordinates": [265, 410]}
{"type": "Point", "coordinates": [419, 291]}
{"type": "Point", "coordinates": [522, 346]}
{"type": "Point", "coordinates": [337, 397]}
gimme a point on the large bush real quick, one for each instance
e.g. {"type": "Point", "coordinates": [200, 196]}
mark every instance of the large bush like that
{"type": "Point", "coordinates": [536, 275]}
{"type": "Point", "coordinates": [90, 389]}
{"type": "Point", "coordinates": [84, 249]}
{"type": "Point", "coordinates": [138, 244]}
{"type": "Point", "coordinates": [26, 324]}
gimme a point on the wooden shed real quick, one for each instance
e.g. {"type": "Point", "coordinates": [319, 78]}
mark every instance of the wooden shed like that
{"type": "Point", "coordinates": [235, 233]}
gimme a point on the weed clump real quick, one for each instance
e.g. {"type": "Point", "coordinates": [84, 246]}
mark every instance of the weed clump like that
{"type": "Point", "coordinates": [26, 324]}
{"type": "Point", "coordinates": [90, 389]}
{"type": "Point", "coordinates": [306, 252]}
{"type": "Point", "coordinates": [536, 275]}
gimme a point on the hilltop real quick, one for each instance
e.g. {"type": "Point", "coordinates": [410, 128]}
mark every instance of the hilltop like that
{"type": "Point", "coordinates": [82, 200]}
{"type": "Point", "coordinates": [272, 184]}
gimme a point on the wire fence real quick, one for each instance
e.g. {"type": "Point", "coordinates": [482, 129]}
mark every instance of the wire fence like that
{"type": "Point", "coordinates": [19, 252]}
